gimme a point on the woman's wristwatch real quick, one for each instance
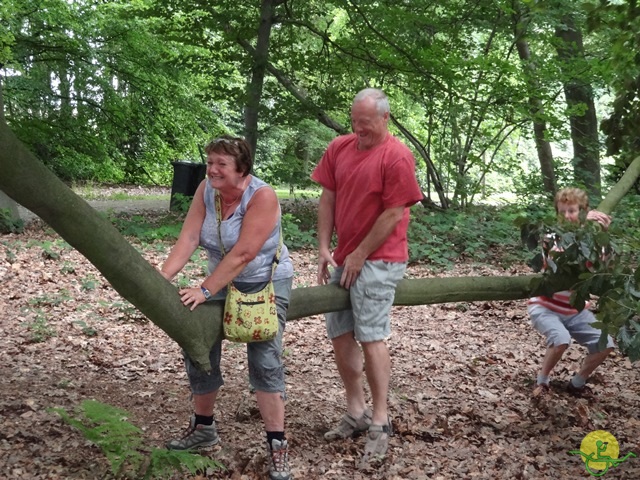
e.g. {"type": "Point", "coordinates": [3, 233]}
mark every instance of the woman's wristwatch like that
{"type": "Point", "coordinates": [206, 293]}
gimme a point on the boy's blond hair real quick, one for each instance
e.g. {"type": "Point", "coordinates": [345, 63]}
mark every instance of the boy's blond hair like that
{"type": "Point", "coordinates": [572, 195]}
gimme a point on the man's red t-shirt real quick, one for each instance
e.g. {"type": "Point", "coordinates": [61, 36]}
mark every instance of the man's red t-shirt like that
{"type": "Point", "coordinates": [367, 182]}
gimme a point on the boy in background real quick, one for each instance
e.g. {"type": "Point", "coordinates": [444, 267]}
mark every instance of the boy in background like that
{"type": "Point", "coordinates": [558, 321]}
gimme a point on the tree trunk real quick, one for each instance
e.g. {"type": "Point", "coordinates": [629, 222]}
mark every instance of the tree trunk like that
{"type": "Point", "coordinates": [543, 147]}
{"type": "Point", "coordinates": [260, 57]}
{"type": "Point", "coordinates": [619, 190]}
{"type": "Point", "coordinates": [298, 94]}
{"type": "Point", "coordinates": [6, 202]}
{"type": "Point", "coordinates": [25, 179]}
{"type": "Point", "coordinates": [582, 112]}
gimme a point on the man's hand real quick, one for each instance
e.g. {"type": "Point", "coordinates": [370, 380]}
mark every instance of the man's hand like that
{"type": "Point", "coordinates": [353, 264]}
{"type": "Point", "coordinates": [324, 260]}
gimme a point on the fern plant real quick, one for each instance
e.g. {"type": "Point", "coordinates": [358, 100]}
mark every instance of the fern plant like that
{"type": "Point", "coordinates": [107, 427]}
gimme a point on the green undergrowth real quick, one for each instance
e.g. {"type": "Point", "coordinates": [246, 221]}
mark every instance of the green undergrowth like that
{"type": "Point", "coordinates": [122, 443]}
{"type": "Point", "coordinates": [482, 234]}
{"type": "Point", "coordinates": [438, 239]}
{"type": "Point", "coordinates": [8, 223]}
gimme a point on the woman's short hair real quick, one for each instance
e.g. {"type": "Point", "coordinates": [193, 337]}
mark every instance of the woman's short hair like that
{"type": "Point", "coordinates": [572, 195]}
{"type": "Point", "coordinates": [236, 147]}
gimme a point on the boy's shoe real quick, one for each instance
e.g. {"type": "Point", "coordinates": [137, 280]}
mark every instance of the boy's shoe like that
{"type": "Point", "coordinates": [350, 426]}
{"type": "Point", "coordinates": [583, 392]}
{"type": "Point", "coordinates": [279, 460]}
{"type": "Point", "coordinates": [196, 436]}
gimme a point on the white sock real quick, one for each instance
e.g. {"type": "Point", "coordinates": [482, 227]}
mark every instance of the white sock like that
{"type": "Point", "coordinates": [543, 379]}
{"type": "Point", "coordinates": [577, 381]}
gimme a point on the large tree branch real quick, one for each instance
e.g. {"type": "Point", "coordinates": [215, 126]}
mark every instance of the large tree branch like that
{"type": "Point", "coordinates": [30, 183]}
{"type": "Point", "coordinates": [621, 188]}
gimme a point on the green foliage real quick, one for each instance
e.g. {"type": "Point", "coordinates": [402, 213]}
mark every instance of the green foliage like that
{"type": "Point", "coordinates": [122, 443]}
{"type": "Point", "coordinates": [295, 237]}
{"type": "Point", "coordinates": [50, 300]}
{"type": "Point", "coordinates": [89, 283]}
{"type": "Point", "coordinates": [132, 86]}
{"type": "Point", "coordinates": [67, 268]}
{"type": "Point", "coordinates": [442, 238]}
{"type": "Point", "coordinates": [113, 103]}
{"type": "Point", "coordinates": [49, 247]}
{"type": "Point", "coordinates": [288, 155]}
{"type": "Point", "coordinates": [125, 311]}
{"type": "Point", "coordinates": [8, 223]}
{"type": "Point", "coordinates": [40, 330]}
{"type": "Point", "coordinates": [10, 251]}
{"type": "Point", "coordinates": [147, 228]}
{"type": "Point", "coordinates": [180, 203]}
{"type": "Point", "coordinates": [618, 23]}
{"type": "Point", "coordinates": [87, 330]}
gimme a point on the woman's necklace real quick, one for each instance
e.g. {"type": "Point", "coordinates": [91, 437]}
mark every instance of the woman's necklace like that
{"type": "Point", "coordinates": [229, 204]}
{"type": "Point", "coordinates": [236, 199]}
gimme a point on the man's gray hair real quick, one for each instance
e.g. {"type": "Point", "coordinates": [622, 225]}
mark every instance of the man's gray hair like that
{"type": "Point", "coordinates": [377, 95]}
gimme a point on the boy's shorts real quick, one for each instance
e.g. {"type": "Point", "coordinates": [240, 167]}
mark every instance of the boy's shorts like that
{"type": "Point", "coordinates": [559, 329]}
{"type": "Point", "coordinates": [266, 371]}
{"type": "Point", "coordinates": [371, 296]}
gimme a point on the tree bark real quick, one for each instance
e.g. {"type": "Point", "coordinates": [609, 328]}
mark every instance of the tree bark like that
{"type": "Point", "coordinates": [260, 58]}
{"type": "Point", "coordinates": [582, 112]}
{"type": "Point", "coordinates": [619, 190]}
{"type": "Point", "coordinates": [6, 203]}
{"type": "Point", "coordinates": [25, 179]}
{"type": "Point", "coordinates": [536, 108]}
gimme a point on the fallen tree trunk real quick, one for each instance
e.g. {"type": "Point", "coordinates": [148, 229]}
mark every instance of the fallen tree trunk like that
{"type": "Point", "coordinates": [30, 183]}
{"type": "Point", "coordinates": [25, 179]}
{"type": "Point", "coordinates": [423, 291]}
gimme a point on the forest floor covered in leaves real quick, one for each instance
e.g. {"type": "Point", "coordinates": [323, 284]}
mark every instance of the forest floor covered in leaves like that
{"type": "Point", "coordinates": [459, 399]}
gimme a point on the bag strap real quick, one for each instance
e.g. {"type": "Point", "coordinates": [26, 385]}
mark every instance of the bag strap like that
{"type": "Point", "coordinates": [276, 258]}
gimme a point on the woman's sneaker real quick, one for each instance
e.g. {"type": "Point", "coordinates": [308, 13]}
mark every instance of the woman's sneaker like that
{"type": "Point", "coordinates": [196, 436]}
{"type": "Point", "coordinates": [279, 460]}
{"type": "Point", "coordinates": [350, 426]}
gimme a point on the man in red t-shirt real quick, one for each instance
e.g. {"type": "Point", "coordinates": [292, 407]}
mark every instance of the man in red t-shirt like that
{"type": "Point", "coordinates": [368, 182]}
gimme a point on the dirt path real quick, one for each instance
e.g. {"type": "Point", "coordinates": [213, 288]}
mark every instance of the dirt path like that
{"type": "Point", "coordinates": [133, 205]}
{"type": "Point", "coordinates": [128, 206]}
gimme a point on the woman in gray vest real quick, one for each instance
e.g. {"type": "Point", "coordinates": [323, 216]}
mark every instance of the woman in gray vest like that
{"type": "Point", "coordinates": [250, 232]}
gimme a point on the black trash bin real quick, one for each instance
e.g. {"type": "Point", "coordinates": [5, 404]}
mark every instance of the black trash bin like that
{"type": "Point", "coordinates": [186, 178]}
